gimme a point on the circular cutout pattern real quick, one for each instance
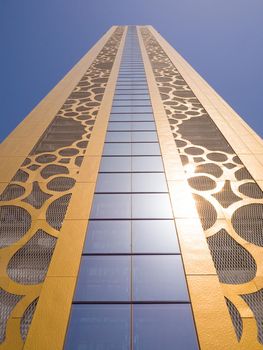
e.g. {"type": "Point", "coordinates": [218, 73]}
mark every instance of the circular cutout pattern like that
{"type": "Point", "coordinates": [202, 183]}
{"type": "Point", "coordinates": [217, 157]}
{"type": "Point", "coordinates": [195, 151]}
{"type": "Point", "coordinates": [251, 190]}
{"type": "Point", "coordinates": [68, 152]}
{"type": "Point", "coordinates": [61, 184]}
{"type": "Point", "coordinates": [206, 211]}
{"type": "Point", "coordinates": [46, 158]}
{"type": "Point", "coordinates": [248, 223]}
{"type": "Point", "coordinates": [14, 223]}
{"type": "Point", "coordinates": [12, 192]}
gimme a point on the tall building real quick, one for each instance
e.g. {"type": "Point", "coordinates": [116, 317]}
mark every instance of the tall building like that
{"type": "Point", "coordinates": [131, 210]}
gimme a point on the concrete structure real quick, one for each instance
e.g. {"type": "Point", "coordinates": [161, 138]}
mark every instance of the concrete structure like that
{"type": "Point", "coordinates": [131, 210]}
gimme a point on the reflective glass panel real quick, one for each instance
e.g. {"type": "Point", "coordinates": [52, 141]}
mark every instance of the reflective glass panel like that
{"type": "Point", "coordinates": [105, 236]}
{"type": "Point", "coordinates": [103, 278]}
{"type": "Point", "coordinates": [154, 236]}
{"type": "Point", "coordinates": [132, 102]}
{"type": "Point", "coordinates": [118, 136]}
{"type": "Point", "coordinates": [132, 109]}
{"type": "Point", "coordinates": [111, 206]}
{"type": "Point", "coordinates": [146, 149]}
{"type": "Point", "coordinates": [149, 182]}
{"type": "Point", "coordinates": [115, 164]}
{"type": "Point", "coordinates": [158, 278]}
{"type": "Point", "coordinates": [120, 126]}
{"type": "Point", "coordinates": [151, 206]}
{"type": "Point", "coordinates": [108, 183]}
{"type": "Point", "coordinates": [131, 97]}
{"type": "Point", "coordinates": [143, 126]}
{"type": "Point", "coordinates": [164, 327]}
{"type": "Point", "coordinates": [147, 164]}
{"type": "Point", "coordinates": [117, 149]}
{"type": "Point", "coordinates": [95, 327]}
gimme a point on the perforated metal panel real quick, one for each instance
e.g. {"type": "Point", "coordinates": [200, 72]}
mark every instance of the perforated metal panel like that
{"type": "Point", "coordinates": [53, 169]}
{"type": "Point", "coordinates": [226, 196]}
{"type": "Point", "coordinates": [20, 176]}
{"type": "Point", "coordinates": [27, 319]}
{"type": "Point", "coordinates": [206, 211]}
{"type": "Point", "coordinates": [7, 303]}
{"type": "Point", "coordinates": [248, 223]}
{"type": "Point", "coordinates": [236, 318]}
{"type": "Point", "coordinates": [30, 263]}
{"type": "Point", "coordinates": [233, 263]}
{"type": "Point", "coordinates": [56, 211]}
{"type": "Point", "coordinates": [37, 197]}
{"type": "Point", "coordinates": [12, 192]}
{"type": "Point", "coordinates": [14, 223]}
{"type": "Point", "coordinates": [251, 190]}
{"type": "Point", "coordinates": [61, 184]}
{"type": "Point", "coordinates": [254, 301]}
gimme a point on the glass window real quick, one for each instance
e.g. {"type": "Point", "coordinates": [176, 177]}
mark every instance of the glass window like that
{"type": "Point", "coordinates": [118, 136]}
{"type": "Point", "coordinates": [104, 278]}
{"type": "Point", "coordinates": [132, 102]}
{"type": "Point", "coordinates": [117, 149]}
{"type": "Point", "coordinates": [131, 109]}
{"type": "Point", "coordinates": [164, 327]}
{"type": "Point", "coordinates": [135, 90]}
{"type": "Point", "coordinates": [149, 136]}
{"type": "Point", "coordinates": [120, 118]}
{"type": "Point", "coordinates": [151, 206]}
{"type": "Point", "coordinates": [142, 117]}
{"type": "Point", "coordinates": [119, 126]}
{"type": "Point", "coordinates": [108, 183]}
{"type": "Point", "coordinates": [143, 126]}
{"type": "Point", "coordinates": [159, 278]}
{"type": "Point", "coordinates": [154, 236]}
{"type": "Point", "coordinates": [145, 149]}
{"type": "Point", "coordinates": [147, 163]}
{"type": "Point", "coordinates": [99, 327]}
{"type": "Point", "coordinates": [132, 97]}
{"type": "Point", "coordinates": [149, 182]}
{"type": "Point", "coordinates": [105, 236]}
{"type": "Point", "coordinates": [115, 164]}
{"type": "Point", "coordinates": [111, 206]}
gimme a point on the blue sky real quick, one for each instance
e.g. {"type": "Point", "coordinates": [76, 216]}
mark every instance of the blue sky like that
{"type": "Point", "coordinates": [42, 39]}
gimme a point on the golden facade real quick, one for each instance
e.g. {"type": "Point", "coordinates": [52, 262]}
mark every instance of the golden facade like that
{"type": "Point", "coordinates": [213, 168]}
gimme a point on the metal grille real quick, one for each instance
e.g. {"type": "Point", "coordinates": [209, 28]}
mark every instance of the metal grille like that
{"type": "Point", "coordinates": [202, 183]}
{"type": "Point", "coordinates": [37, 197]}
{"type": "Point", "coordinates": [53, 169]}
{"type": "Point", "coordinates": [12, 192]}
{"type": "Point", "coordinates": [56, 211]}
{"type": "Point", "coordinates": [61, 184]}
{"type": "Point", "coordinates": [236, 319]}
{"type": "Point", "coordinates": [29, 265]}
{"type": "Point", "coordinates": [20, 176]}
{"type": "Point", "coordinates": [66, 131]}
{"type": "Point", "coordinates": [78, 161]}
{"type": "Point", "coordinates": [209, 168]}
{"type": "Point", "coordinates": [14, 223]}
{"type": "Point", "coordinates": [217, 157]}
{"type": "Point", "coordinates": [233, 263]}
{"type": "Point", "coordinates": [33, 167]}
{"type": "Point", "coordinates": [243, 174]}
{"type": "Point", "coordinates": [46, 158]}
{"type": "Point", "coordinates": [248, 223]}
{"type": "Point", "coordinates": [67, 152]}
{"type": "Point", "coordinates": [251, 190]}
{"type": "Point", "coordinates": [7, 303]}
{"type": "Point", "coordinates": [254, 301]}
{"type": "Point", "coordinates": [226, 196]}
{"type": "Point", "coordinates": [206, 211]}
{"type": "Point", "coordinates": [27, 319]}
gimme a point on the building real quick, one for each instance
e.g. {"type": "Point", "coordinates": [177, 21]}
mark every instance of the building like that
{"type": "Point", "coordinates": [131, 210]}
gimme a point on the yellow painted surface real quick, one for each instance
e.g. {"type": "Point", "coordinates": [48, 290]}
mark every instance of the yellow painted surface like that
{"type": "Point", "coordinates": [58, 288]}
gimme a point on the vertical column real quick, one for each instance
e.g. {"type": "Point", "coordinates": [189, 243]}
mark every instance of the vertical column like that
{"type": "Point", "coordinates": [214, 326]}
{"type": "Point", "coordinates": [131, 291]}
{"type": "Point", "coordinates": [34, 277]}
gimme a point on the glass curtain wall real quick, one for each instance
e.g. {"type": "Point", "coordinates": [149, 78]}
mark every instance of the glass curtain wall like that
{"type": "Point", "coordinates": [131, 292]}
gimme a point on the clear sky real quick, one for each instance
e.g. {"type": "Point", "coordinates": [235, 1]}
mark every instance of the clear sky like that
{"type": "Point", "coordinates": [42, 39]}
